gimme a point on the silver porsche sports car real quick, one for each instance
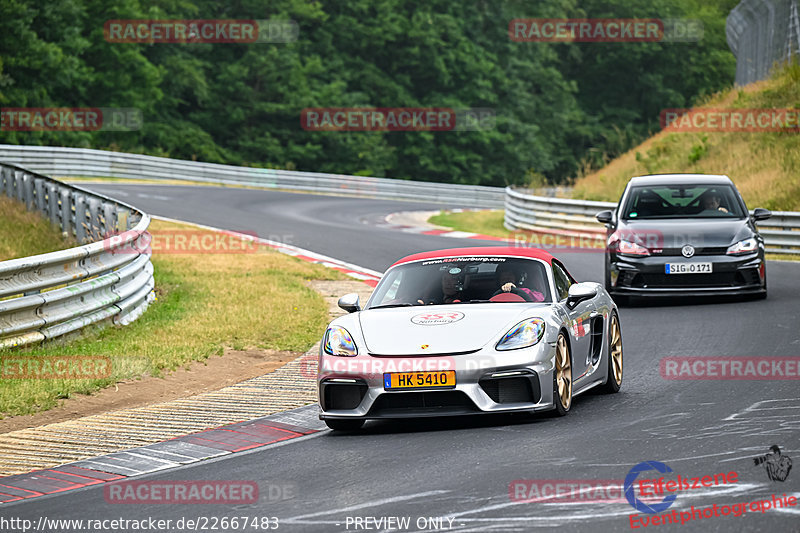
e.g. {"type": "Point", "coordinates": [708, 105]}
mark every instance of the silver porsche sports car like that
{"type": "Point", "coordinates": [469, 331]}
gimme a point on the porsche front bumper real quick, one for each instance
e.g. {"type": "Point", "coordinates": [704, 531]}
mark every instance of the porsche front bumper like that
{"type": "Point", "coordinates": [487, 381]}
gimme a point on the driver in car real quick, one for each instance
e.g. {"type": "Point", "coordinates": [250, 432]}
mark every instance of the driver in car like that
{"type": "Point", "coordinates": [711, 201]}
{"type": "Point", "coordinates": [509, 280]}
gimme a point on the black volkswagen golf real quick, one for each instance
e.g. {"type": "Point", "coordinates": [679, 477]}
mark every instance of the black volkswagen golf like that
{"type": "Point", "coordinates": [683, 234]}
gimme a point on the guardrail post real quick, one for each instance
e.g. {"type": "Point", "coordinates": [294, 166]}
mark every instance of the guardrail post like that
{"type": "Point", "coordinates": [41, 197]}
{"type": "Point", "coordinates": [66, 211]}
{"type": "Point", "coordinates": [27, 184]}
{"type": "Point", "coordinates": [80, 218]}
{"type": "Point", "coordinates": [52, 199]}
{"type": "Point", "coordinates": [109, 222]}
{"type": "Point", "coordinates": [95, 229]}
{"type": "Point", "coordinates": [18, 189]}
{"type": "Point", "coordinates": [6, 181]}
{"type": "Point", "coordinates": [123, 219]}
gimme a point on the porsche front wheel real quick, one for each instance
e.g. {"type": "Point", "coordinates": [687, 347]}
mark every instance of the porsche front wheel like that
{"type": "Point", "coordinates": [614, 376]}
{"type": "Point", "coordinates": [562, 377]}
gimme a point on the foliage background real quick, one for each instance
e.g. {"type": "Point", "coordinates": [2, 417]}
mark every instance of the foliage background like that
{"type": "Point", "coordinates": [562, 108]}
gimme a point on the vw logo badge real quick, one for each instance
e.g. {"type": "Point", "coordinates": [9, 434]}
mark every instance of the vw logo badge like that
{"type": "Point", "coordinates": [687, 251]}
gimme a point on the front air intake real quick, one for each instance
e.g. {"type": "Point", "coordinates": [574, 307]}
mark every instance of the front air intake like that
{"type": "Point", "coordinates": [522, 388]}
{"type": "Point", "coordinates": [335, 396]}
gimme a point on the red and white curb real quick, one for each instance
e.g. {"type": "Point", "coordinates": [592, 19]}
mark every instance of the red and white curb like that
{"type": "Point", "coordinates": [416, 222]}
{"type": "Point", "coordinates": [552, 239]}
{"type": "Point", "coordinates": [192, 448]}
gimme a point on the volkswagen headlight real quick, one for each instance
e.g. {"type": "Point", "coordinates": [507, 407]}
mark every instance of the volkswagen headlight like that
{"type": "Point", "coordinates": [338, 341]}
{"type": "Point", "coordinates": [631, 248]}
{"type": "Point", "coordinates": [743, 247]}
{"type": "Point", "coordinates": [525, 334]}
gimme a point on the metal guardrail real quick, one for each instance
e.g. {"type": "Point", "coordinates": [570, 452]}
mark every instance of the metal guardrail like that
{"type": "Point", "coordinates": [49, 295]}
{"type": "Point", "coordinates": [79, 162]}
{"type": "Point", "coordinates": [539, 214]}
{"type": "Point", "coordinates": [543, 215]}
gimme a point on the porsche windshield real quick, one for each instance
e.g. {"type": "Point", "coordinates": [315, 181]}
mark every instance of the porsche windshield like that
{"type": "Point", "coordinates": [467, 280]}
{"type": "Point", "coordinates": [682, 201]}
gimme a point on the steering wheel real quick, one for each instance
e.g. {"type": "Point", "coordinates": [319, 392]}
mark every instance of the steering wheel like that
{"type": "Point", "coordinates": [507, 297]}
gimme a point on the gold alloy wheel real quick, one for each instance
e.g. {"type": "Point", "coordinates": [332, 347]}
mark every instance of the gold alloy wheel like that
{"type": "Point", "coordinates": [615, 351]}
{"type": "Point", "coordinates": [563, 373]}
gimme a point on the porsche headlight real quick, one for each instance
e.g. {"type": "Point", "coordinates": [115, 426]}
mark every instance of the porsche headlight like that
{"type": "Point", "coordinates": [525, 334]}
{"type": "Point", "coordinates": [743, 247]}
{"type": "Point", "coordinates": [338, 341]}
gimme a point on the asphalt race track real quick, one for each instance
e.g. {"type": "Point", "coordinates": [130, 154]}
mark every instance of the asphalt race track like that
{"type": "Point", "coordinates": [457, 472]}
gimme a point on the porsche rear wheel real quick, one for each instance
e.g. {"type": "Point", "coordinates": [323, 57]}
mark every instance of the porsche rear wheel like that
{"type": "Point", "coordinates": [562, 377]}
{"type": "Point", "coordinates": [614, 379]}
{"type": "Point", "coordinates": [344, 425]}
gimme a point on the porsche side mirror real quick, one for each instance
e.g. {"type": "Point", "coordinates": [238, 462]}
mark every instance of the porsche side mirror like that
{"type": "Point", "coordinates": [604, 217]}
{"type": "Point", "coordinates": [759, 213]}
{"type": "Point", "coordinates": [349, 302]}
{"type": "Point", "coordinates": [579, 292]}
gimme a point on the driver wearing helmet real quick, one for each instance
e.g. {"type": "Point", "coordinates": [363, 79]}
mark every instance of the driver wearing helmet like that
{"type": "Point", "coordinates": [450, 288]}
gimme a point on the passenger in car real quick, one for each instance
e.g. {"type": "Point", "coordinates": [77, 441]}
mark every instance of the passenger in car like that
{"type": "Point", "coordinates": [651, 204]}
{"type": "Point", "coordinates": [450, 291]}
{"type": "Point", "coordinates": [449, 294]}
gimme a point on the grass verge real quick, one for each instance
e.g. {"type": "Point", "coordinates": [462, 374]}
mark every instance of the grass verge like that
{"type": "Point", "coordinates": [483, 222]}
{"type": "Point", "coordinates": [765, 166]}
{"type": "Point", "coordinates": [205, 303]}
{"type": "Point", "coordinates": [24, 233]}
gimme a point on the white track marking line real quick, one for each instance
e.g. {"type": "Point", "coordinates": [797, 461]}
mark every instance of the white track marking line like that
{"type": "Point", "coordinates": [458, 234]}
{"type": "Point", "coordinates": [368, 504]}
{"type": "Point", "coordinates": [673, 460]}
{"type": "Point", "coordinates": [755, 407]}
{"type": "Point", "coordinates": [154, 196]}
